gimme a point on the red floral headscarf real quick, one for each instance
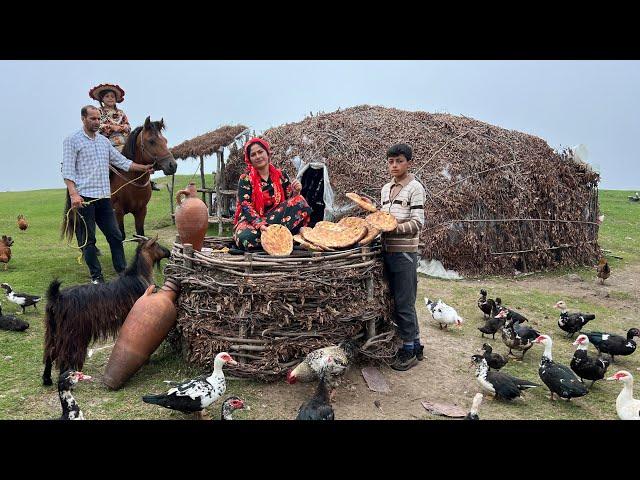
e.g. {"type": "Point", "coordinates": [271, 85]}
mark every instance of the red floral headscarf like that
{"type": "Point", "coordinates": [254, 177]}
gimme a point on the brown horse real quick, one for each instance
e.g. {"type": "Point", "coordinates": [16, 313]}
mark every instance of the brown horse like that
{"type": "Point", "coordinates": [145, 145]}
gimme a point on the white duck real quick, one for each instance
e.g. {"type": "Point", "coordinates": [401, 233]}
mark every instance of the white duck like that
{"type": "Point", "coordinates": [443, 313]}
{"type": "Point", "coordinates": [627, 407]}
{"type": "Point", "coordinates": [195, 395]}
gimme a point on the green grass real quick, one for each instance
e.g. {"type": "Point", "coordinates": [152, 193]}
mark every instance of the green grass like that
{"type": "Point", "coordinates": [39, 255]}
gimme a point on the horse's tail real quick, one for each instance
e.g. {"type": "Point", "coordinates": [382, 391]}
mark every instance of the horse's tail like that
{"type": "Point", "coordinates": [69, 219]}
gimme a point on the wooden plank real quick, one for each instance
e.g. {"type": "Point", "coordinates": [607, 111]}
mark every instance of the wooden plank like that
{"type": "Point", "coordinates": [218, 197]}
{"type": "Point", "coordinates": [202, 177]}
{"type": "Point", "coordinates": [173, 184]}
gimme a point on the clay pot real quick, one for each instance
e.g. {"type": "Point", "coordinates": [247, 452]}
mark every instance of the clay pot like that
{"type": "Point", "coordinates": [146, 325]}
{"type": "Point", "coordinates": [192, 217]}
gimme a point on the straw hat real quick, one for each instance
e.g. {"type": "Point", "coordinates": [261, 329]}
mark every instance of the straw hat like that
{"type": "Point", "coordinates": [97, 92]}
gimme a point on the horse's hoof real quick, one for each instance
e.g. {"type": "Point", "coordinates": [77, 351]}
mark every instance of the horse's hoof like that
{"type": "Point", "coordinates": [47, 382]}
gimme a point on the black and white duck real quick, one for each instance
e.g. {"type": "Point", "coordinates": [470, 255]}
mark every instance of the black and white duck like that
{"type": "Point", "coordinates": [229, 406]}
{"type": "Point", "coordinates": [614, 344]}
{"type": "Point", "coordinates": [12, 323]}
{"type": "Point", "coordinates": [23, 300]}
{"type": "Point", "coordinates": [516, 336]}
{"type": "Point", "coordinates": [319, 406]}
{"type": "Point", "coordinates": [502, 385]}
{"type": "Point", "coordinates": [67, 382]}
{"type": "Point", "coordinates": [475, 405]}
{"type": "Point", "coordinates": [195, 395]}
{"type": "Point", "coordinates": [557, 377]}
{"type": "Point", "coordinates": [494, 360]}
{"type": "Point", "coordinates": [512, 314]}
{"type": "Point", "coordinates": [488, 306]}
{"type": "Point", "coordinates": [584, 366]}
{"type": "Point", "coordinates": [572, 322]}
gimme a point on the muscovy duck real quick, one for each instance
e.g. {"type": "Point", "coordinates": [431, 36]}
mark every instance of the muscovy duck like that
{"type": "Point", "coordinates": [516, 336]}
{"type": "Point", "coordinates": [572, 322]}
{"type": "Point", "coordinates": [614, 344]}
{"type": "Point", "coordinates": [494, 360]}
{"type": "Point", "coordinates": [487, 305]}
{"type": "Point", "coordinates": [491, 326]}
{"type": "Point", "coordinates": [512, 314]}
{"type": "Point", "coordinates": [584, 366]}
{"type": "Point", "coordinates": [11, 322]}
{"type": "Point", "coordinates": [604, 271]}
{"type": "Point", "coordinates": [334, 358]}
{"type": "Point", "coordinates": [319, 406]}
{"type": "Point", "coordinates": [24, 300]}
{"type": "Point", "coordinates": [444, 314]}
{"type": "Point", "coordinates": [502, 385]}
{"type": "Point", "coordinates": [229, 406]}
{"type": "Point", "coordinates": [195, 395]}
{"type": "Point", "coordinates": [557, 377]}
{"type": "Point", "coordinates": [67, 382]}
{"type": "Point", "coordinates": [627, 407]}
{"type": "Point", "coordinates": [475, 405]}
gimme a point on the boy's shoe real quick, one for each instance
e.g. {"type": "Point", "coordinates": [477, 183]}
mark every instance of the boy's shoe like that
{"type": "Point", "coordinates": [419, 351]}
{"type": "Point", "coordinates": [97, 280]}
{"type": "Point", "coordinates": [404, 360]}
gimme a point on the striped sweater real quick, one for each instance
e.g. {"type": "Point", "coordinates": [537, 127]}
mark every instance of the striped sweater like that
{"type": "Point", "coordinates": [406, 203]}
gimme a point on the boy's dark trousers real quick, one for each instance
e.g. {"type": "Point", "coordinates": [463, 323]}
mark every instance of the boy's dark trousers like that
{"type": "Point", "coordinates": [100, 213]}
{"type": "Point", "coordinates": [402, 276]}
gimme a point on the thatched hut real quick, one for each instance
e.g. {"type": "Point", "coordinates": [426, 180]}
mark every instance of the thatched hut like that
{"type": "Point", "coordinates": [497, 200]}
{"type": "Point", "coordinates": [203, 146]}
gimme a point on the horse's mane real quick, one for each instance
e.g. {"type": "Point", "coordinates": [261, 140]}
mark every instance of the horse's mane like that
{"type": "Point", "coordinates": [129, 149]}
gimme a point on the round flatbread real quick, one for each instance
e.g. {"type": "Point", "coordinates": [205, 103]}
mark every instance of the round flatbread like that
{"type": "Point", "coordinates": [383, 221]}
{"type": "Point", "coordinates": [352, 222]}
{"type": "Point", "coordinates": [372, 233]}
{"type": "Point", "coordinates": [361, 202]}
{"type": "Point", "coordinates": [277, 240]}
{"type": "Point", "coordinates": [308, 245]}
{"type": "Point", "coordinates": [334, 236]}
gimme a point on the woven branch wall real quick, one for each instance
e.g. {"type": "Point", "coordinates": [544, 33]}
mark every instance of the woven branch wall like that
{"type": "Point", "coordinates": [270, 312]}
{"type": "Point", "coordinates": [497, 199]}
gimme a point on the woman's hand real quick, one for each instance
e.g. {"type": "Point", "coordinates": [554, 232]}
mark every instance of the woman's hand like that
{"type": "Point", "coordinates": [297, 186]}
{"type": "Point", "coordinates": [263, 228]}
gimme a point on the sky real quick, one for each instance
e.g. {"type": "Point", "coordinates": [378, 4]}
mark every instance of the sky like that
{"type": "Point", "coordinates": [567, 103]}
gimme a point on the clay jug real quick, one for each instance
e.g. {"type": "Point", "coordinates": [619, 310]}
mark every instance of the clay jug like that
{"type": "Point", "coordinates": [146, 325]}
{"type": "Point", "coordinates": [192, 217]}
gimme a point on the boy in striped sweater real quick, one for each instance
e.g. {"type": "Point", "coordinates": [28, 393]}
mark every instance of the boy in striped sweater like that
{"type": "Point", "coordinates": [403, 198]}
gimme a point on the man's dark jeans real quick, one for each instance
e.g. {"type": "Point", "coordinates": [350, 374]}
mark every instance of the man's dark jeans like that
{"type": "Point", "coordinates": [402, 275]}
{"type": "Point", "coordinates": [100, 213]}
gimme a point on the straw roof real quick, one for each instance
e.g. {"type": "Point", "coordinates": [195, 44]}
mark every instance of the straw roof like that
{"type": "Point", "coordinates": [208, 143]}
{"type": "Point", "coordinates": [497, 200]}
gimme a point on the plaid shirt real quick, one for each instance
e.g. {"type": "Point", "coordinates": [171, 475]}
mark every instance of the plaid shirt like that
{"type": "Point", "coordinates": [85, 162]}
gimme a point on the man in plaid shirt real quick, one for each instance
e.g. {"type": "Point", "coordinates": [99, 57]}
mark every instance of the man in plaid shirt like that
{"type": "Point", "coordinates": [85, 169]}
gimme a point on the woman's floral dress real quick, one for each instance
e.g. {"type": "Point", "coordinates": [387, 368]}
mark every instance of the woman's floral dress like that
{"type": "Point", "coordinates": [293, 213]}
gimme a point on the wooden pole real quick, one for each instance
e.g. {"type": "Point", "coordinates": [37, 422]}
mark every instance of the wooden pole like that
{"type": "Point", "coordinates": [218, 195]}
{"type": "Point", "coordinates": [188, 252]}
{"type": "Point", "coordinates": [371, 324]}
{"type": "Point", "coordinates": [204, 195]}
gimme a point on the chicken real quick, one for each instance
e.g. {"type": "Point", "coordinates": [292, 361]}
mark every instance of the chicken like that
{"type": "Point", "coordinates": [22, 223]}
{"type": "Point", "coordinates": [443, 313]}
{"type": "Point", "coordinates": [5, 250]}
{"type": "Point", "coordinates": [604, 271]}
{"type": "Point", "coordinates": [333, 359]}
{"type": "Point", "coordinates": [319, 406]}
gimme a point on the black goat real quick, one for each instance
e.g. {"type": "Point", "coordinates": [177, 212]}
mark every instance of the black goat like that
{"type": "Point", "coordinates": [82, 314]}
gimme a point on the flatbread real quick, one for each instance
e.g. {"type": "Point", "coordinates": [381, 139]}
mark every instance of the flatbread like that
{"type": "Point", "coordinates": [353, 222]}
{"type": "Point", "coordinates": [372, 233]}
{"type": "Point", "coordinates": [362, 203]}
{"type": "Point", "coordinates": [383, 221]}
{"type": "Point", "coordinates": [277, 240]}
{"type": "Point", "coordinates": [334, 236]}
{"type": "Point", "coordinates": [308, 245]}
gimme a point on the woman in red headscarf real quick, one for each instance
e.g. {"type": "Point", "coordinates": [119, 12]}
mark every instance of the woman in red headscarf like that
{"type": "Point", "coordinates": [266, 196]}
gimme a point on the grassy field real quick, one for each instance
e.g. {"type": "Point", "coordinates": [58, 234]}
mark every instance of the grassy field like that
{"type": "Point", "coordinates": [39, 255]}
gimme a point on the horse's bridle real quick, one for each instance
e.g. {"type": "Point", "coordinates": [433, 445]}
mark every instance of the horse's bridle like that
{"type": "Point", "coordinates": [155, 158]}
